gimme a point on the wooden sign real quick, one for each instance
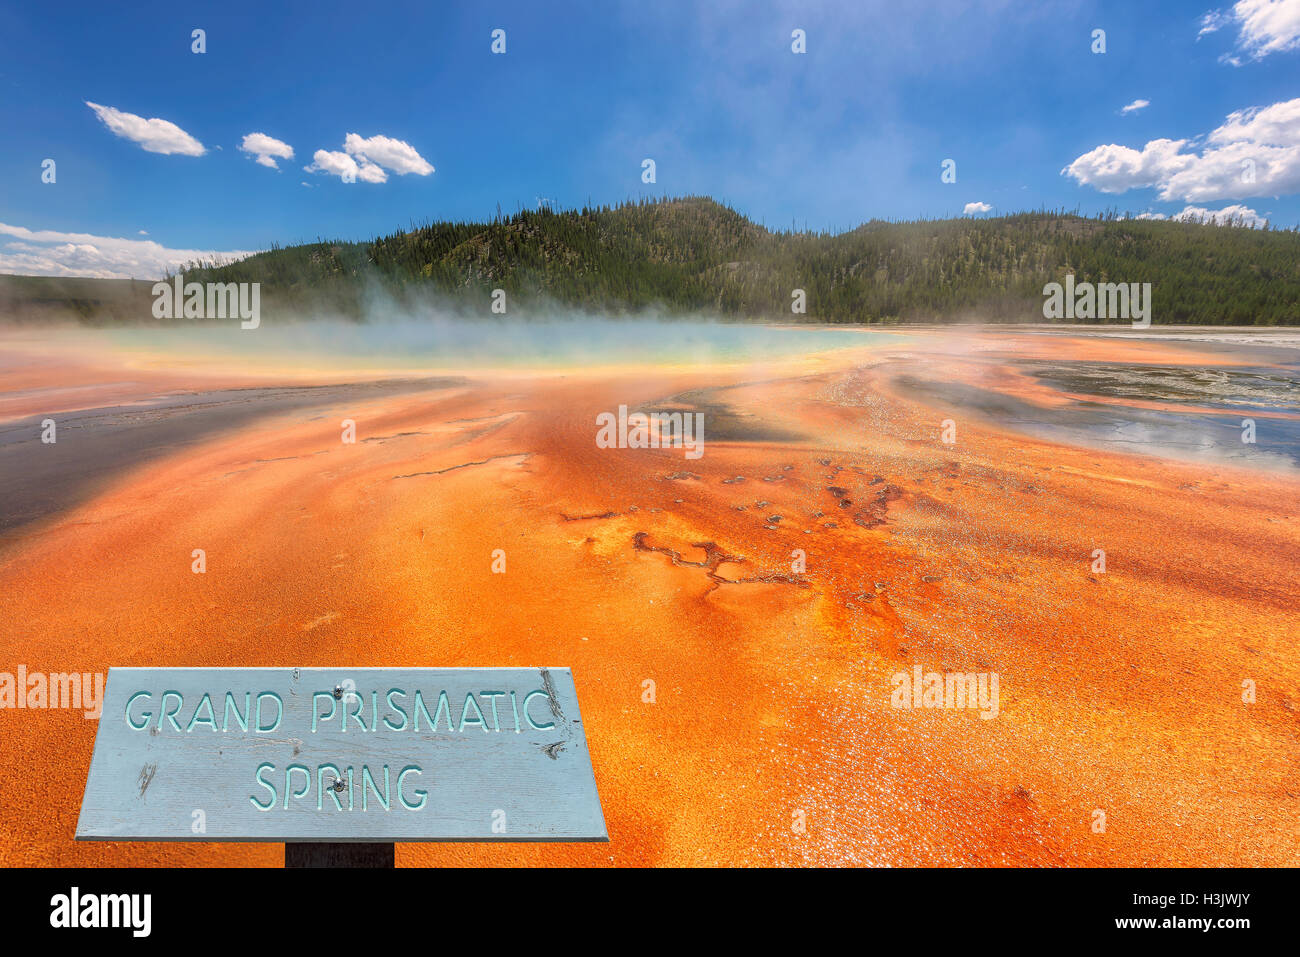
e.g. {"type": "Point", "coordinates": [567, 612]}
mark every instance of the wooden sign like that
{"type": "Point", "coordinates": [340, 755]}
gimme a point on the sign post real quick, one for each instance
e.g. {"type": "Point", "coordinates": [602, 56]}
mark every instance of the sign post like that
{"type": "Point", "coordinates": [304, 854]}
{"type": "Point", "coordinates": [339, 763]}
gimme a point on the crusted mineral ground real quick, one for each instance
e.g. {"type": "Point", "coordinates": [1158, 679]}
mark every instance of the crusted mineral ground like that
{"type": "Point", "coordinates": [827, 539]}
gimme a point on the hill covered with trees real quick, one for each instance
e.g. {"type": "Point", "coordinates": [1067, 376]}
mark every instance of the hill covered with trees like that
{"type": "Point", "coordinates": [695, 256]}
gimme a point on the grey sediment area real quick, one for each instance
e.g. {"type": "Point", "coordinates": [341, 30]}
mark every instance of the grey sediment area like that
{"type": "Point", "coordinates": [96, 446]}
{"type": "Point", "coordinates": [722, 422]}
{"type": "Point", "coordinates": [1191, 434]}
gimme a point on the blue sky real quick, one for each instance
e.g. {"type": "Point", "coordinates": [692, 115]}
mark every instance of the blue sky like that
{"type": "Point", "coordinates": [855, 128]}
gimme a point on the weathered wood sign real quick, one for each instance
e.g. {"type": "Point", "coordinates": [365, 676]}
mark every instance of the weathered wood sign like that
{"type": "Point", "coordinates": [338, 755]}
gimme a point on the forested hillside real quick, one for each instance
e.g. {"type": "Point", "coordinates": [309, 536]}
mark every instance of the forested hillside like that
{"type": "Point", "coordinates": [695, 255]}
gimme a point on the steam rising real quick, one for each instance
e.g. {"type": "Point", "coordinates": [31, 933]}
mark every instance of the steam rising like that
{"type": "Point", "coordinates": [402, 337]}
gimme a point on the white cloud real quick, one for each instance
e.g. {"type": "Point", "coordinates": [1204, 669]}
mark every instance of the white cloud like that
{"type": "Point", "coordinates": [1135, 106]}
{"type": "Point", "coordinates": [49, 253]}
{"type": "Point", "coordinates": [1228, 216]}
{"type": "Point", "coordinates": [1264, 27]}
{"type": "Point", "coordinates": [336, 164]}
{"type": "Point", "coordinates": [267, 149]}
{"type": "Point", "coordinates": [366, 159]}
{"type": "Point", "coordinates": [1276, 125]}
{"type": "Point", "coordinates": [1114, 169]}
{"type": "Point", "coordinates": [1236, 215]}
{"type": "Point", "coordinates": [345, 167]}
{"type": "Point", "coordinates": [397, 155]}
{"type": "Point", "coordinates": [1256, 152]}
{"type": "Point", "coordinates": [1212, 22]}
{"type": "Point", "coordinates": [971, 208]}
{"type": "Point", "coordinates": [153, 135]}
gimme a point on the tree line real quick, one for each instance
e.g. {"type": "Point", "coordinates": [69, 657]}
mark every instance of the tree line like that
{"type": "Point", "coordinates": [693, 255]}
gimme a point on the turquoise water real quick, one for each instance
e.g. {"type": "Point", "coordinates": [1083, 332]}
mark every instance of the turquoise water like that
{"type": "Point", "coordinates": [443, 343]}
